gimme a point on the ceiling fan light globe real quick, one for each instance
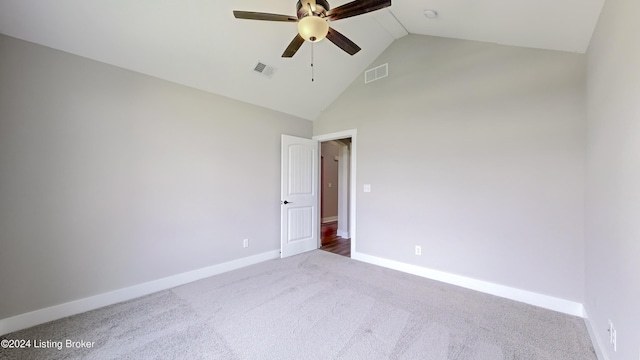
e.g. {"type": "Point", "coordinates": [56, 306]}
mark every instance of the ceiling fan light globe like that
{"type": "Point", "coordinates": [313, 28]}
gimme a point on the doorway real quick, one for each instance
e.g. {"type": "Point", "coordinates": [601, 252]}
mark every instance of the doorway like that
{"type": "Point", "coordinates": [334, 191]}
{"type": "Point", "coordinates": [337, 192]}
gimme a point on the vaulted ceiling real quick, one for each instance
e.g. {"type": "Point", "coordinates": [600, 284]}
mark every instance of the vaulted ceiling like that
{"type": "Point", "coordinates": [199, 43]}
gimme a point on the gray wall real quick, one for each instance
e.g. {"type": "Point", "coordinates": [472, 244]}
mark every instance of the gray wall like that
{"type": "Point", "coordinates": [330, 175]}
{"type": "Point", "coordinates": [109, 178]}
{"type": "Point", "coordinates": [613, 178]}
{"type": "Point", "coordinates": [476, 152]}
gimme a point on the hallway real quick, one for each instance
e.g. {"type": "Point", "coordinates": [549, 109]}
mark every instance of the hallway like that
{"type": "Point", "coordinates": [331, 242]}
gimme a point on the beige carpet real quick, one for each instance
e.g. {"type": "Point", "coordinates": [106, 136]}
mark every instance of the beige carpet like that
{"type": "Point", "coordinates": [314, 306]}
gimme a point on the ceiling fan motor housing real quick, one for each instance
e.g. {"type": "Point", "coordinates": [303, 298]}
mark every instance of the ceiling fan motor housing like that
{"type": "Point", "coordinates": [322, 6]}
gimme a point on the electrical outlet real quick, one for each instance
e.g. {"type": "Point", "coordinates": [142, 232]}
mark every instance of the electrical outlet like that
{"type": "Point", "coordinates": [613, 336]}
{"type": "Point", "coordinates": [245, 243]}
{"type": "Point", "coordinates": [418, 250]}
{"type": "Point", "coordinates": [610, 330]}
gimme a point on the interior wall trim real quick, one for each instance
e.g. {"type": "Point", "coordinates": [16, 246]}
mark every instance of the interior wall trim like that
{"type": "Point", "coordinates": [598, 346]}
{"type": "Point", "coordinates": [353, 174]}
{"type": "Point", "coordinates": [56, 312]}
{"type": "Point", "coordinates": [528, 297]}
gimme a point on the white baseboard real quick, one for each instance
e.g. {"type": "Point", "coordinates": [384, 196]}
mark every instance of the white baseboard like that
{"type": "Point", "coordinates": [595, 340]}
{"type": "Point", "coordinates": [544, 301]}
{"type": "Point", "coordinates": [41, 316]}
{"type": "Point", "coordinates": [329, 219]}
{"type": "Point", "coordinates": [343, 234]}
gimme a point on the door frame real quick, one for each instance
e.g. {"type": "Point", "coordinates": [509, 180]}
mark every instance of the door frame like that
{"type": "Point", "coordinates": [353, 133]}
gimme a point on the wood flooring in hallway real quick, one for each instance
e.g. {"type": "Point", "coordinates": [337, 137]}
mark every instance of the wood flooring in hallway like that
{"type": "Point", "coordinates": [331, 242]}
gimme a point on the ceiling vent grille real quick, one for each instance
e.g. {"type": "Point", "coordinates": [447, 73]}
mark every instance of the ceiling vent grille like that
{"type": "Point", "coordinates": [376, 73]}
{"type": "Point", "coordinates": [264, 69]}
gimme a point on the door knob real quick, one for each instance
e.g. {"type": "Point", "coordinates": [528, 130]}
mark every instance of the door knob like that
{"type": "Point", "coordinates": [287, 202]}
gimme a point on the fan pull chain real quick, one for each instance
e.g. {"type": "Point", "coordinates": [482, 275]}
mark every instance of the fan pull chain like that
{"type": "Point", "coordinates": [311, 14]}
{"type": "Point", "coordinates": [312, 62]}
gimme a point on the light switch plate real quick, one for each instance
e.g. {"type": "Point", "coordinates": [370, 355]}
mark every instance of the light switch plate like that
{"type": "Point", "coordinates": [367, 188]}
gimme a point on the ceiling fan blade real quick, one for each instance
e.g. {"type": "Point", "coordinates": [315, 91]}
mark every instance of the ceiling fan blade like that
{"type": "Point", "coordinates": [357, 7]}
{"type": "Point", "coordinates": [342, 42]}
{"type": "Point", "coordinates": [293, 46]}
{"type": "Point", "coordinates": [249, 15]}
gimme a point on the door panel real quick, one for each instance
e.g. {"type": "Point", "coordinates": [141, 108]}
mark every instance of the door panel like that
{"type": "Point", "coordinates": [299, 198]}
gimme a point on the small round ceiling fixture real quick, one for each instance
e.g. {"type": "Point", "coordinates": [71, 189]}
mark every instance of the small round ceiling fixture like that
{"type": "Point", "coordinates": [431, 14]}
{"type": "Point", "coordinates": [313, 28]}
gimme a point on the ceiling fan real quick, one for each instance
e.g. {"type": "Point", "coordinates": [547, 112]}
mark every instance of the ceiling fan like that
{"type": "Point", "coordinates": [312, 16]}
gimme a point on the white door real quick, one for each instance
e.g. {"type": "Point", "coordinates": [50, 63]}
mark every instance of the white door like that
{"type": "Point", "coordinates": [299, 197]}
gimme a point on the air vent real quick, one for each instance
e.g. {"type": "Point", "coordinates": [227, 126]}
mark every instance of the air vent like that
{"type": "Point", "coordinates": [264, 69]}
{"type": "Point", "coordinates": [376, 73]}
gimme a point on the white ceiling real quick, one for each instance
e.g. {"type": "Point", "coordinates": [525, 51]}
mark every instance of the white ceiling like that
{"type": "Point", "coordinates": [200, 44]}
